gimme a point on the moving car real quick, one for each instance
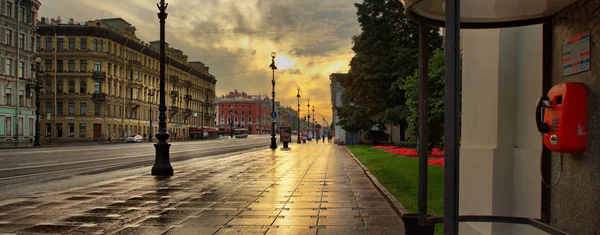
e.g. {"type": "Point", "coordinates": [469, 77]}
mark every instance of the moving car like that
{"type": "Point", "coordinates": [240, 133]}
{"type": "Point", "coordinates": [135, 139]}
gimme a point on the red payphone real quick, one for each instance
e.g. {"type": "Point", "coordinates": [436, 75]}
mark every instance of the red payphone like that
{"type": "Point", "coordinates": [562, 117]}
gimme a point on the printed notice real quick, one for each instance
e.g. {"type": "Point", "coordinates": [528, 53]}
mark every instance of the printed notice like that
{"type": "Point", "coordinates": [576, 54]}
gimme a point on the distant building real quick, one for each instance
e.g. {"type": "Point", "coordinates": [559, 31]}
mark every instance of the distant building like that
{"type": "Point", "coordinates": [241, 110]}
{"type": "Point", "coordinates": [17, 57]}
{"type": "Point", "coordinates": [101, 81]}
{"type": "Point", "coordinates": [337, 89]}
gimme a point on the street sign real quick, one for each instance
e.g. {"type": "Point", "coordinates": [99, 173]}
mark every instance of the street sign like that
{"type": "Point", "coordinates": [273, 114]}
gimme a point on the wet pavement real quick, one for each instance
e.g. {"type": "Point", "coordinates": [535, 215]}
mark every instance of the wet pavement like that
{"type": "Point", "coordinates": [311, 189]}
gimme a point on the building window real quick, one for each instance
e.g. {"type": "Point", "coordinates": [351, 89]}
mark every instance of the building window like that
{"type": "Point", "coordinates": [101, 46]}
{"type": "Point", "coordinates": [48, 129]}
{"type": "Point", "coordinates": [83, 43]}
{"type": "Point", "coordinates": [83, 65]}
{"type": "Point", "coordinates": [22, 41]}
{"type": "Point", "coordinates": [243, 120]}
{"type": "Point", "coordinates": [71, 43]}
{"type": "Point", "coordinates": [95, 44]}
{"type": "Point", "coordinates": [8, 99]}
{"type": "Point", "coordinates": [48, 108]}
{"type": "Point", "coordinates": [60, 43]}
{"type": "Point", "coordinates": [9, 9]}
{"type": "Point", "coordinates": [71, 66]}
{"type": "Point", "coordinates": [222, 119]}
{"type": "Point", "coordinates": [97, 110]}
{"type": "Point", "coordinates": [8, 126]}
{"type": "Point", "coordinates": [21, 98]}
{"type": "Point", "coordinates": [49, 43]}
{"type": "Point", "coordinates": [71, 109]}
{"type": "Point", "coordinates": [97, 86]}
{"type": "Point", "coordinates": [22, 14]}
{"type": "Point", "coordinates": [9, 37]}
{"type": "Point", "coordinates": [71, 129]}
{"type": "Point", "coordinates": [82, 87]}
{"type": "Point", "coordinates": [48, 86]}
{"type": "Point", "coordinates": [59, 87]}
{"type": "Point", "coordinates": [38, 43]}
{"type": "Point", "coordinates": [249, 112]}
{"type": "Point", "coordinates": [20, 130]}
{"type": "Point", "coordinates": [71, 87]}
{"type": "Point", "coordinates": [59, 130]}
{"type": "Point", "coordinates": [82, 130]}
{"type": "Point", "coordinates": [8, 69]}
{"type": "Point", "coordinates": [49, 65]}
{"type": "Point", "coordinates": [21, 69]}
{"type": "Point", "coordinates": [82, 109]}
{"type": "Point", "coordinates": [236, 119]}
{"type": "Point", "coordinates": [59, 108]}
{"type": "Point", "coordinates": [31, 127]}
{"type": "Point", "coordinates": [97, 66]}
{"type": "Point", "coordinates": [60, 65]}
{"type": "Point", "coordinates": [250, 120]}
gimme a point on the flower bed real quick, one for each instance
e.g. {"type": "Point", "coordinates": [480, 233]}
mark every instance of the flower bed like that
{"type": "Point", "coordinates": [436, 156]}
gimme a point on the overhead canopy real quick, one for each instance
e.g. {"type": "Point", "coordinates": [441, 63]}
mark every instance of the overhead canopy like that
{"type": "Point", "coordinates": [486, 13]}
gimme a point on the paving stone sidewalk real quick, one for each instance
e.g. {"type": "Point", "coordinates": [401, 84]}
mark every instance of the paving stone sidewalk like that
{"type": "Point", "coordinates": [311, 189]}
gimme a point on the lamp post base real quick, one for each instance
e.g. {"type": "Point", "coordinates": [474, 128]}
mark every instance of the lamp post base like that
{"type": "Point", "coordinates": [299, 141]}
{"type": "Point", "coordinates": [273, 143]}
{"type": "Point", "coordinates": [162, 164]}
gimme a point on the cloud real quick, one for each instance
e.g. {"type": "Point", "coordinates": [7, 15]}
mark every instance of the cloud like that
{"type": "Point", "coordinates": [235, 38]}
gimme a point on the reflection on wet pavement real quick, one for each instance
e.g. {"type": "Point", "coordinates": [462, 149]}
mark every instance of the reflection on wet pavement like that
{"type": "Point", "coordinates": [308, 190]}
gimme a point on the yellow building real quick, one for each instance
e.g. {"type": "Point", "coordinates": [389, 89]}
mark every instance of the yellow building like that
{"type": "Point", "coordinates": [101, 81]}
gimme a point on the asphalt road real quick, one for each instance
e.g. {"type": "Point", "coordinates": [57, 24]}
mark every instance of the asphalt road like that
{"type": "Point", "coordinates": [29, 171]}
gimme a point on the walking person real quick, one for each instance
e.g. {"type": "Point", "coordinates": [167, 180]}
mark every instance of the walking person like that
{"type": "Point", "coordinates": [323, 137]}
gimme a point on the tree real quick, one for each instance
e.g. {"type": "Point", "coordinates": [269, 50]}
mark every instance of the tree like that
{"type": "Point", "coordinates": [435, 101]}
{"type": "Point", "coordinates": [354, 119]}
{"type": "Point", "coordinates": [386, 52]}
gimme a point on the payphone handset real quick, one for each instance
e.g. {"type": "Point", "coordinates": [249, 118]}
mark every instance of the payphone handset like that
{"type": "Point", "coordinates": [562, 117]}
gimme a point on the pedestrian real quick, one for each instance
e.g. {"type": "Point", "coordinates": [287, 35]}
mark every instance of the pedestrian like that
{"type": "Point", "coordinates": [323, 137]}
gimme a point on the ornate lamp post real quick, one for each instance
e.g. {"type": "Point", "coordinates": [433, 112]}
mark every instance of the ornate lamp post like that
{"type": "Point", "coordinates": [150, 94]}
{"type": "Point", "coordinates": [314, 123]}
{"type": "Point", "coordinates": [298, 129]}
{"type": "Point", "coordinates": [273, 67]}
{"type": "Point", "coordinates": [231, 122]}
{"type": "Point", "coordinates": [37, 86]}
{"type": "Point", "coordinates": [308, 121]}
{"type": "Point", "coordinates": [162, 165]}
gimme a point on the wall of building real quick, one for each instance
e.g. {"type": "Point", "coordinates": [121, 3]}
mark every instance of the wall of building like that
{"type": "Point", "coordinates": [574, 201]}
{"type": "Point", "coordinates": [248, 109]}
{"type": "Point", "coordinates": [500, 146]}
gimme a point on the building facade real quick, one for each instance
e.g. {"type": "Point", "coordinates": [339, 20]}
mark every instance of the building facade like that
{"type": "Point", "coordinates": [102, 82]}
{"type": "Point", "coordinates": [241, 110]}
{"type": "Point", "coordinates": [17, 56]}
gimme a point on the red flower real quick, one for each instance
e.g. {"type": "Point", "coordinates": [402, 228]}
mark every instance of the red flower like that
{"type": "Point", "coordinates": [436, 162]}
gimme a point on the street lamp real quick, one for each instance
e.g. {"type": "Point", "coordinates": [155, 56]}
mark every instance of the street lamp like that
{"type": "Point", "coordinates": [231, 122]}
{"type": "Point", "coordinates": [314, 123]}
{"type": "Point", "coordinates": [37, 86]}
{"type": "Point", "coordinates": [150, 94]}
{"type": "Point", "coordinates": [298, 129]}
{"type": "Point", "coordinates": [162, 165]}
{"type": "Point", "coordinates": [273, 67]}
{"type": "Point", "coordinates": [308, 121]}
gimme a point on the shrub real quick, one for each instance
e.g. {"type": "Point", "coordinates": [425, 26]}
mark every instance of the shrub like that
{"type": "Point", "coordinates": [377, 137]}
{"type": "Point", "coordinates": [407, 144]}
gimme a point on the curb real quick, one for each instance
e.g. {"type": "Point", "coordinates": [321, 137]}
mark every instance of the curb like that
{"type": "Point", "coordinates": [391, 200]}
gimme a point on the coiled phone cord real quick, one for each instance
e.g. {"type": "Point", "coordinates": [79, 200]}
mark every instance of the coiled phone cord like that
{"type": "Point", "coordinates": [559, 173]}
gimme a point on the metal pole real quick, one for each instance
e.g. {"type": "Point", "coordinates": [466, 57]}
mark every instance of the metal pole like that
{"type": "Point", "coordinates": [151, 125]}
{"type": "Point", "coordinates": [298, 128]}
{"type": "Point", "coordinates": [273, 139]}
{"type": "Point", "coordinates": [451, 117]}
{"type": "Point", "coordinates": [423, 119]}
{"type": "Point", "coordinates": [314, 127]}
{"type": "Point", "coordinates": [162, 165]}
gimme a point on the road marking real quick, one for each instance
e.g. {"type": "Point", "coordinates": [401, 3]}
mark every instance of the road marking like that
{"type": "Point", "coordinates": [36, 163]}
{"type": "Point", "coordinates": [105, 159]}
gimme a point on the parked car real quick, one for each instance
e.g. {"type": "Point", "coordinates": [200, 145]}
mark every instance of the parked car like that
{"type": "Point", "coordinates": [135, 139]}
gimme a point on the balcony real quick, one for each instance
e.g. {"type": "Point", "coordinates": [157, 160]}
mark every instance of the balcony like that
{"type": "Point", "coordinates": [189, 111]}
{"type": "Point", "coordinates": [174, 94]}
{"type": "Point", "coordinates": [134, 104]}
{"type": "Point", "coordinates": [99, 75]}
{"type": "Point", "coordinates": [99, 97]}
{"type": "Point", "coordinates": [188, 97]}
{"type": "Point", "coordinates": [135, 63]}
{"type": "Point", "coordinates": [174, 79]}
{"type": "Point", "coordinates": [173, 109]}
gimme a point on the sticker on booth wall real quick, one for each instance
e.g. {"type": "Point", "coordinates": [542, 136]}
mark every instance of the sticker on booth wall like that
{"type": "Point", "coordinates": [576, 54]}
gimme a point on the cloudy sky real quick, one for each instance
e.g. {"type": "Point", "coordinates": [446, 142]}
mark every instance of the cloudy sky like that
{"type": "Point", "coordinates": [235, 38]}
